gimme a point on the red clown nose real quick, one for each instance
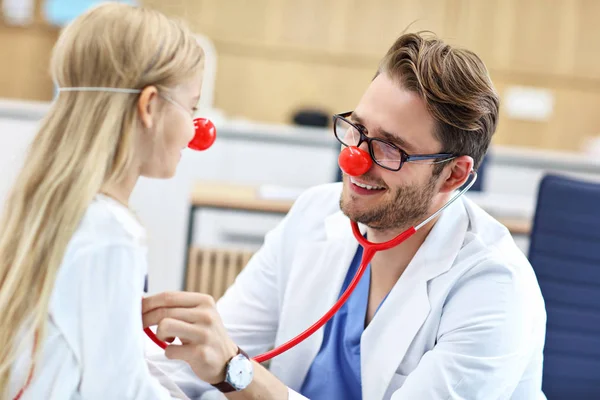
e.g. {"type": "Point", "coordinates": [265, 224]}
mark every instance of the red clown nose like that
{"type": "Point", "coordinates": [354, 161]}
{"type": "Point", "coordinates": [204, 136]}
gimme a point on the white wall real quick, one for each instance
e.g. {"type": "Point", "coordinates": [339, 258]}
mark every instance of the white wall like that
{"type": "Point", "coordinates": [15, 136]}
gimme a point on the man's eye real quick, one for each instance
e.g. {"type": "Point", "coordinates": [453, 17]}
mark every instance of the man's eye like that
{"type": "Point", "coordinates": [362, 128]}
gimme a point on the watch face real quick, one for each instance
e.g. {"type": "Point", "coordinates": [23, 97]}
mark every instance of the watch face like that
{"type": "Point", "coordinates": [240, 372]}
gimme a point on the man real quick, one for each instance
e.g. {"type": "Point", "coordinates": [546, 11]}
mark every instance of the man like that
{"type": "Point", "coordinates": [453, 312]}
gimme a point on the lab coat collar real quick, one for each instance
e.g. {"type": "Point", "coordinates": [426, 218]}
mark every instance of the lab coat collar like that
{"type": "Point", "coordinates": [407, 306]}
{"type": "Point", "coordinates": [436, 254]}
{"type": "Point", "coordinates": [316, 280]}
{"type": "Point", "coordinates": [337, 226]}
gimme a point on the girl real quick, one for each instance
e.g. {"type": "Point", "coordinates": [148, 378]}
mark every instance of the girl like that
{"type": "Point", "coordinates": [72, 258]}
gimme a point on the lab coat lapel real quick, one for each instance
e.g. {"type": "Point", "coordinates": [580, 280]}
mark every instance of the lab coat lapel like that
{"type": "Point", "coordinates": [312, 288]}
{"type": "Point", "coordinates": [387, 338]}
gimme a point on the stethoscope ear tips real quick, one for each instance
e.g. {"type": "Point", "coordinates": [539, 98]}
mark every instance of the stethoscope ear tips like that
{"type": "Point", "coordinates": [204, 136]}
{"type": "Point", "coordinates": [354, 161]}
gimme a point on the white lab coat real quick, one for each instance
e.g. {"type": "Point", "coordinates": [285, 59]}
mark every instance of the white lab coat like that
{"type": "Point", "coordinates": [466, 320]}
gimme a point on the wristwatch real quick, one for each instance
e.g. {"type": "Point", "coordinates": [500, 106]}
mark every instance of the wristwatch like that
{"type": "Point", "coordinates": [238, 373]}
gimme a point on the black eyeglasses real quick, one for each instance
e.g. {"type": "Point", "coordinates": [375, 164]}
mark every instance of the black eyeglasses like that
{"type": "Point", "coordinates": [385, 154]}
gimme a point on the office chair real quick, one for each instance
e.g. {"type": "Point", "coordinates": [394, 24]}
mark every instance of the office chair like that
{"type": "Point", "coordinates": [565, 254]}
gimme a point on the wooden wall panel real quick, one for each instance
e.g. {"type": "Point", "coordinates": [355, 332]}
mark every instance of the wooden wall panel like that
{"type": "Point", "coordinates": [25, 54]}
{"type": "Point", "coordinates": [332, 87]}
{"type": "Point", "coordinates": [238, 20]}
{"type": "Point", "coordinates": [374, 25]}
{"type": "Point", "coordinates": [278, 55]}
{"type": "Point", "coordinates": [586, 41]}
{"type": "Point", "coordinates": [307, 24]}
{"type": "Point", "coordinates": [557, 38]}
{"type": "Point", "coordinates": [538, 43]}
{"type": "Point", "coordinates": [575, 119]}
{"type": "Point", "coordinates": [485, 27]}
{"type": "Point", "coordinates": [536, 36]}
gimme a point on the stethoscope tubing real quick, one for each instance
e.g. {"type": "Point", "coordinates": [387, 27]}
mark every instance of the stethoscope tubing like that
{"type": "Point", "coordinates": [369, 250]}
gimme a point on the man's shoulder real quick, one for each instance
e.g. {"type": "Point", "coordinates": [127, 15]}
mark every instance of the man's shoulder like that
{"type": "Point", "coordinates": [489, 233]}
{"type": "Point", "coordinates": [489, 251]}
{"type": "Point", "coordinates": [320, 200]}
{"type": "Point", "coordinates": [308, 215]}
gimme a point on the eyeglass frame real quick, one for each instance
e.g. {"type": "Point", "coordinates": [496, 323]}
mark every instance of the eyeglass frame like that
{"type": "Point", "coordinates": [177, 104]}
{"type": "Point", "coordinates": [404, 156]}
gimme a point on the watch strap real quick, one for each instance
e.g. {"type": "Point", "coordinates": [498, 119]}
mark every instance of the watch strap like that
{"type": "Point", "coordinates": [224, 387]}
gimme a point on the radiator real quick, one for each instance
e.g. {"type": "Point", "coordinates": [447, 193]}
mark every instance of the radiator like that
{"type": "Point", "coordinates": [213, 270]}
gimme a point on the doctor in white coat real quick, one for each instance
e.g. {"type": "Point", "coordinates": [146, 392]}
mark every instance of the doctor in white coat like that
{"type": "Point", "coordinates": [455, 312]}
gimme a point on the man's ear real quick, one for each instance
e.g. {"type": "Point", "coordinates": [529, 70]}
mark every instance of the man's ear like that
{"type": "Point", "coordinates": [147, 106]}
{"type": "Point", "coordinates": [458, 174]}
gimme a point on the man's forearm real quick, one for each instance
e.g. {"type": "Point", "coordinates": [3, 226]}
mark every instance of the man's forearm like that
{"type": "Point", "coordinates": [264, 386]}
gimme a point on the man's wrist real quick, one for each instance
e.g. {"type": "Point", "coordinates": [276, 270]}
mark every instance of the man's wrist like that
{"type": "Point", "coordinates": [264, 386]}
{"type": "Point", "coordinates": [238, 374]}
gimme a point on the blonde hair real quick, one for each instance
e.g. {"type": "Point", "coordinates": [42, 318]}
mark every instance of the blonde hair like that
{"type": "Point", "coordinates": [84, 142]}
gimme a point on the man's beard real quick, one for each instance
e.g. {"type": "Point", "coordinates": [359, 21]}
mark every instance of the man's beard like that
{"type": "Point", "coordinates": [409, 206]}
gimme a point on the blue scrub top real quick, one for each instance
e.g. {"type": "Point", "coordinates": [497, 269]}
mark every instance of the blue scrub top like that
{"type": "Point", "coordinates": [335, 372]}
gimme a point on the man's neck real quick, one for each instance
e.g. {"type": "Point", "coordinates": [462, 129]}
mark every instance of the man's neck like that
{"type": "Point", "coordinates": [392, 263]}
{"type": "Point", "coordinates": [389, 265]}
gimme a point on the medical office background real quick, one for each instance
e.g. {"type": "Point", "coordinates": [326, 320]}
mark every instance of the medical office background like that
{"type": "Point", "coordinates": [275, 72]}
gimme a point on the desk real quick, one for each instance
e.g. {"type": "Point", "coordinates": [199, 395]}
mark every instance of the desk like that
{"type": "Point", "coordinates": [212, 195]}
{"type": "Point", "coordinates": [516, 226]}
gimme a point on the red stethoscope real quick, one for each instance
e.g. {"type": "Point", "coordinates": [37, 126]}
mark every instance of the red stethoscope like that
{"type": "Point", "coordinates": [354, 162]}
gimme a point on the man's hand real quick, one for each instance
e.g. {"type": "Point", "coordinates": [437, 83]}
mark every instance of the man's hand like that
{"type": "Point", "coordinates": [193, 318]}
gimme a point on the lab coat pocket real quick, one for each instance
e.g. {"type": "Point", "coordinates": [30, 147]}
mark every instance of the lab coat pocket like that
{"type": "Point", "coordinates": [395, 384]}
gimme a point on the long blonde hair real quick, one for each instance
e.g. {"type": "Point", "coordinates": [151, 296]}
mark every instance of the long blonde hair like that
{"type": "Point", "coordinates": [84, 142]}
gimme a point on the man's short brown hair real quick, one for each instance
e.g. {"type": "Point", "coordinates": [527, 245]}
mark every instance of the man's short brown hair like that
{"type": "Point", "coordinates": [456, 88]}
